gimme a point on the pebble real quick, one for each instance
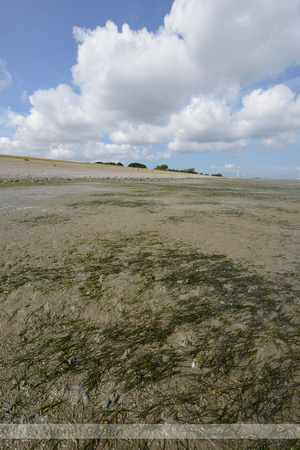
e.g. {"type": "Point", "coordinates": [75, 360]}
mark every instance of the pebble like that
{"type": "Point", "coordinates": [228, 287]}
{"type": "Point", "coordinates": [25, 384]}
{"type": "Point", "coordinates": [252, 289]}
{"type": "Point", "coordinates": [127, 353]}
{"type": "Point", "coordinates": [72, 361]}
{"type": "Point", "coordinates": [110, 401]}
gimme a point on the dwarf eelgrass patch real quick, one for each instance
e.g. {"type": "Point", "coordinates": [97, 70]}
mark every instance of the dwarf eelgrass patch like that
{"type": "Point", "coordinates": [162, 333]}
{"type": "Point", "coordinates": [113, 201]}
{"type": "Point", "coordinates": [43, 219]}
{"type": "Point", "coordinates": [38, 276]}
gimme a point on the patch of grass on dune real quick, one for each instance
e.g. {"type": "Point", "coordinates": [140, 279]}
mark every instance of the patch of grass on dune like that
{"type": "Point", "coordinates": [31, 158]}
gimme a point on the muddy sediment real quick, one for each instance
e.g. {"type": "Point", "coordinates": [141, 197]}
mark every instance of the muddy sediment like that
{"type": "Point", "coordinates": [149, 301]}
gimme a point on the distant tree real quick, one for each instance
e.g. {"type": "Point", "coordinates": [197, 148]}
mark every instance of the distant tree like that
{"type": "Point", "coordinates": [138, 165]}
{"type": "Point", "coordinates": [216, 175]}
{"type": "Point", "coordinates": [192, 170]}
{"type": "Point", "coordinates": [110, 163]}
{"type": "Point", "coordinates": [162, 167]}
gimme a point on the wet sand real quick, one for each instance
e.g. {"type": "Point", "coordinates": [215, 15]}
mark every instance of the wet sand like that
{"type": "Point", "coordinates": [130, 297]}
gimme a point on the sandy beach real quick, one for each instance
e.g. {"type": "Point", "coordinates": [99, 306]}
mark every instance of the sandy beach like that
{"type": "Point", "coordinates": [131, 295]}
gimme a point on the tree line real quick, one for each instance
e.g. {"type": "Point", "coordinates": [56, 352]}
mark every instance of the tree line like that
{"type": "Point", "coordinates": [159, 167]}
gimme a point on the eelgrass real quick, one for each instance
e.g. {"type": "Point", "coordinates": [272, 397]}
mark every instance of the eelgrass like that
{"type": "Point", "coordinates": [43, 219]}
{"type": "Point", "coordinates": [161, 333]}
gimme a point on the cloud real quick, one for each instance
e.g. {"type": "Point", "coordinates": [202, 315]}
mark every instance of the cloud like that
{"type": "Point", "coordinates": [93, 151]}
{"type": "Point", "coordinates": [56, 115]}
{"type": "Point", "coordinates": [204, 125]}
{"type": "Point", "coordinates": [135, 75]}
{"type": "Point", "coordinates": [207, 123]}
{"type": "Point", "coordinates": [230, 167]}
{"type": "Point", "coordinates": [236, 39]}
{"type": "Point", "coordinates": [139, 134]}
{"type": "Point", "coordinates": [180, 85]}
{"type": "Point", "coordinates": [5, 76]}
{"type": "Point", "coordinates": [24, 96]}
{"type": "Point", "coordinates": [272, 116]}
{"type": "Point", "coordinates": [226, 167]}
{"type": "Point", "coordinates": [265, 112]}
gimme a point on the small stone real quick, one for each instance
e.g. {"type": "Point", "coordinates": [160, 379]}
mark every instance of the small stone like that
{"type": "Point", "coordinates": [228, 287]}
{"type": "Point", "coordinates": [72, 361]}
{"type": "Point", "coordinates": [162, 289]}
{"type": "Point", "coordinates": [126, 272]}
{"type": "Point", "coordinates": [75, 394]}
{"type": "Point", "coordinates": [127, 353]}
{"type": "Point", "coordinates": [25, 384]}
{"type": "Point", "coordinates": [112, 399]}
{"type": "Point", "coordinates": [252, 289]}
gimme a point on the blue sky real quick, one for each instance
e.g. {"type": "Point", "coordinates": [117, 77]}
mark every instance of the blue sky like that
{"type": "Point", "coordinates": [189, 83]}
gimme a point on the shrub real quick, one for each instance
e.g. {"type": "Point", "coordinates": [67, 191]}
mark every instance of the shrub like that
{"type": "Point", "coordinates": [162, 167]}
{"type": "Point", "coordinates": [110, 163]}
{"type": "Point", "coordinates": [136, 164]}
{"type": "Point", "coordinates": [216, 175]}
{"type": "Point", "coordinates": [189, 171]}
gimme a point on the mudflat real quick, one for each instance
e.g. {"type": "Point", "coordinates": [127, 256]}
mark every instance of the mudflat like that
{"type": "Point", "coordinates": [133, 299]}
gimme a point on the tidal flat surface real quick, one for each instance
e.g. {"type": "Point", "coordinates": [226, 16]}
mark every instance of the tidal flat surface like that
{"type": "Point", "coordinates": [149, 301]}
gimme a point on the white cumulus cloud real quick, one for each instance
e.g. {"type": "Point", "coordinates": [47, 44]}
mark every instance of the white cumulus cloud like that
{"type": "Point", "coordinates": [180, 85]}
{"type": "Point", "coordinates": [236, 39]}
{"type": "Point", "coordinates": [265, 112]}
